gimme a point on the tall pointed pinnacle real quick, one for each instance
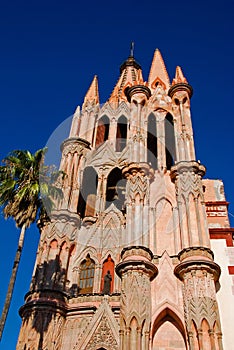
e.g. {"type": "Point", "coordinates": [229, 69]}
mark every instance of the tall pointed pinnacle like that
{"type": "Point", "coordinates": [179, 76]}
{"type": "Point", "coordinates": [130, 74]}
{"type": "Point", "coordinates": [158, 72]}
{"type": "Point", "coordinates": [92, 95]}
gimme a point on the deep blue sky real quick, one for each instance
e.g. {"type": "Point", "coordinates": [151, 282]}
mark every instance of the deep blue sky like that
{"type": "Point", "coordinates": [50, 51]}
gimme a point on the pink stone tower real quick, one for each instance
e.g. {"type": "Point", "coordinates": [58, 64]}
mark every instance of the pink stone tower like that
{"type": "Point", "coordinates": [132, 256]}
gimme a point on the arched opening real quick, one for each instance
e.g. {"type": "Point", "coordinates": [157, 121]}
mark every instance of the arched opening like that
{"type": "Point", "coordinates": [152, 148]}
{"type": "Point", "coordinates": [168, 329]}
{"type": "Point", "coordinates": [115, 189]}
{"type": "Point", "coordinates": [52, 265]}
{"type": "Point", "coordinates": [63, 261]}
{"type": "Point", "coordinates": [108, 268]}
{"type": "Point", "coordinates": [102, 130]}
{"type": "Point", "coordinates": [88, 193]}
{"type": "Point", "coordinates": [169, 141]}
{"type": "Point", "coordinates": [87, 268]}
{"type": "Point", "coordinates": [70, 281]}
{"type": "Point", "coordinates": [121, 133]}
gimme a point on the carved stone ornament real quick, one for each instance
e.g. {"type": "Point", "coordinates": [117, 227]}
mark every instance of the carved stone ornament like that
{"type": "Point", "coordinates": [74, 145]}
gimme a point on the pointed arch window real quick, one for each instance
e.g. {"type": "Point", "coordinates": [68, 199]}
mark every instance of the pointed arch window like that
{"type": "Point", "coordinates": [115, 189]}
{"type": "Point", "coordinates": [121, 133]}
{"type": "Point", "coordinates": [88, 193]}
{"type": "Point", "coordinates": [152, 147]}
{"type": "Point", "coordinates": [102, 130]}
{"type": "Point", "coordinates": [108, 268]}
{"type": "Point", "coordinates": [169, 141]}
{"type": "Point", "coordinates": [87, 269]}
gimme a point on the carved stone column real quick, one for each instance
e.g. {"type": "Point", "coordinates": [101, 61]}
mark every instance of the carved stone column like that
{"type": "Point", "coordinates": [199, 273]}
{"type": "Point", "coordinates": [181, 93]}
{"type": "Point", "coordinates": [43, 318]}
{"type": "Point", "coordinates": [136, 271]}
{"type": "Point", "coordinates": [138, 95]}
{"type": "Point", "coordinates": [73, 150]}
{"type": "Point", "coordinates": [187, 176]}
{"type": "Point", "coordinates": [138, 177]}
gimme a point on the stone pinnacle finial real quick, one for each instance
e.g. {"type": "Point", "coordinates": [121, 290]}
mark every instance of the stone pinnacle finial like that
{"type": "Point", "coordinates": [180, 83]}
{"type": "Point", "coordinates": [158, 71]}
{"type": "Point", "coordinates": [179, 76]}
{"type": "Point", "coordinates": [92, 94]}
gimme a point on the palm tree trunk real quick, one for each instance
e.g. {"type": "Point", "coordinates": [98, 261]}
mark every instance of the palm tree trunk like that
{"type": "Point", "coordinates": [9, 294]}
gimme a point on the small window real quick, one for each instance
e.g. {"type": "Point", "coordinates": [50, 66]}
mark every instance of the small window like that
{"type": "Point", "coordinates": [87, 269]}
{"type": "Point", "coordinates": [115, 190]}
{"type": "Point", "coordinates": [102, 130]}
{"type": "Point", "coordinates": [88, 192]}
{"type": "Point", "coordinates": [121, 134]}
{"type": "Point", "coordinates": [169, 141]}
{"type": "Point", "coordinates": [152, 147]}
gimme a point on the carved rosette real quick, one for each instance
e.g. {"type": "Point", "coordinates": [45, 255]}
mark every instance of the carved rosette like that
{"type": "Point", "coordinates": [199, 273]}
{"type": "Point", "coordinates": [136, 271]}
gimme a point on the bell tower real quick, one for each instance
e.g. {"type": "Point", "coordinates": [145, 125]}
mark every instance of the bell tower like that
{"type": "Point", "coordinates": [126, 260]}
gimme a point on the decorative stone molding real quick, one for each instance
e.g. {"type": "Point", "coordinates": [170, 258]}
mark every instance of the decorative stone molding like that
{"type": "Point", "coordinates": [180, 87]}
{"type": "Point", "coordinates": [136, 251]}
{"type": "Point", "coordinates": [195, 252]}
{"type": "Point", "coordinates": [139, 176]}
{"type": "Point", "coordinates": [199, 273]}
{"type": "Point", "coordinates": [73, 145]}
{"type": "Point", "coordinates": [137, 89]}
{"type": "Point", "coordinates": [136, 271]}
{"type": "Point", "coordinates": [187, 166]}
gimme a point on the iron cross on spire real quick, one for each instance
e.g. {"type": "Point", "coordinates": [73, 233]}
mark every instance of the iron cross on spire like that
{"type": "Point", "coordinates": [132, 49]}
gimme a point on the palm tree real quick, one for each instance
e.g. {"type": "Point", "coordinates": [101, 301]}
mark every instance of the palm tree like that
{"type": "Point", "coordinates": [27, 192]}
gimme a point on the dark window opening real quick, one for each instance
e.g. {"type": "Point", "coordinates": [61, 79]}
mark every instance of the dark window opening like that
{"type": "Point", "coordinates": [121, 134]}
{"type": "Point", "coordinates": [102, 130]}
{"type": "Point", "coordinates": [115, 189]}
{"type": "Point", "coordinates": [87, 268]}
{"type": "Point", "coordinates": [152, 148]}
{"type": "Point", "coordinates": [88, 193]}
{"type": "Point", "coordinates": [169, 141]}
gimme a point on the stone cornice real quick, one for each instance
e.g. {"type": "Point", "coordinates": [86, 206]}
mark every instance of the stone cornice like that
{"type": "Point", "coordinates": [180, 87]}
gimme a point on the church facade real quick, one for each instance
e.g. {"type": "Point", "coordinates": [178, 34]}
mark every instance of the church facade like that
{"type": "Point", "coordinates": [138, 254]}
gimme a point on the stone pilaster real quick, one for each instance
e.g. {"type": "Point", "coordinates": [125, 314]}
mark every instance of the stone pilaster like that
{"type": "Point", "coordinates": [187, 176]}
{"type": "Point", "coordinates": [199, 273]}
{"type": "Point", "coordinates": [181, 93]}
{"type": "Point", "coordinates": [73, 151]}
{"type": "Point", "coordinates": [136, 271]}
{"type": "Point", "coordinates": [138, 177]}
{"type": "Point", "coordinates": [138, 96]}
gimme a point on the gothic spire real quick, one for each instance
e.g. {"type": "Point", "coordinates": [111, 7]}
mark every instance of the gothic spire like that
{"type": "Point", "coordinates": [92, 95]}
{"type": "Point", "coordinates": [130, 74]}
{"type": "Point", "coordinates": [158, 71]}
